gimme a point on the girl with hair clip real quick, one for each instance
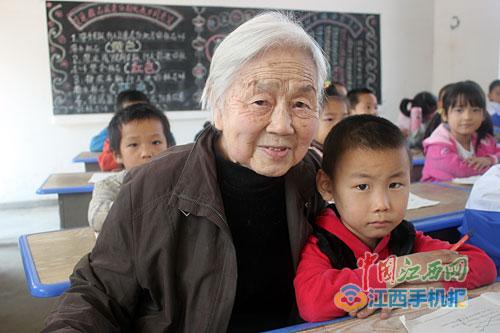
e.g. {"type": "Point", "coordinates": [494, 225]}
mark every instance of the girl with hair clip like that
{"type": "Point", "coordinates": [422, 107]}
{"type": "Point", "coordinates": [463, 144]}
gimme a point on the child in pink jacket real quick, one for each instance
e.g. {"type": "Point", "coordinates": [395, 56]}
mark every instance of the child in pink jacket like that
{"type": "Point", "coordinates": [463, 144]}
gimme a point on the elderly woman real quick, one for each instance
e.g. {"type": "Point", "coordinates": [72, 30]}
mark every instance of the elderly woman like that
{"type": "Point", "coordinates": [207, 237]}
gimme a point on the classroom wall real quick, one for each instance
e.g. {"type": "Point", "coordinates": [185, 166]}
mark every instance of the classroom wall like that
{"type": "Point", "coordinates": [470, 50]}
{"type": "Point", "coordinates": [35, 143]}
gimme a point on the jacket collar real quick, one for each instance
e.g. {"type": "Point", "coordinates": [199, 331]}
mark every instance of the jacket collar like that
{"type": "Point", "coordinates": [442, 134]}
{"type": "Point", "coordinates": [197, 191]}
{"type": "Point", "coordinates": [331, 223]}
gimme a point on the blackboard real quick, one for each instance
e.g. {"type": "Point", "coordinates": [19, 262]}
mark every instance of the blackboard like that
{"type": "Point", "coordinates": [99, 49]}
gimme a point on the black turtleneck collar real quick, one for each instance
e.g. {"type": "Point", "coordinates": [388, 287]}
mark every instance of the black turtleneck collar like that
{"type": "Point", "coordinates": [255, 209]}
{"type": "Point", "coordinates": [240, 181]}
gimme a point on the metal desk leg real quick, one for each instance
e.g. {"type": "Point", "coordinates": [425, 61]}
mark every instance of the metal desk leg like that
{"type": "Point", "coordinates": [73, 208]}
{"type": "Point", "coordinates": [92, 167]}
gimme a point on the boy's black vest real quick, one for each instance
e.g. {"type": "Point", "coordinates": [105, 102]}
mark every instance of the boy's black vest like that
{"type": "Point", "coordinates": [341, 256]}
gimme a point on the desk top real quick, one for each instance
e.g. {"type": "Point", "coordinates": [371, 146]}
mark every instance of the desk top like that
{"type": "Point", "coordinates": [447, 214]}
{"type": "Point", "coordinates": [86, 157]}
{"type": "Point", "coordinates": [451, 199]}
{"type": "Point", "coordinates": [465, 187]}
{"type": "Point", "coordinates": [49, 258]}
{"type": "Point", "coordinates": [63, 183]}
{"type": "Point", "coordinates": [374, 323]}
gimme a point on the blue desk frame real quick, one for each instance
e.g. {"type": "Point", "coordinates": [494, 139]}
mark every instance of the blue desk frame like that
{"type": "Point", "coordinates": [439, 222]}
{"type": "Point", "coordinates": [78, 159]}
{"type": "Point", "coordinates": [307, 326]}
{"type": "Point", "coordinates": [91, 163]}
{"type": "Point", "coordinates": [418, 161]}
{"type": "Point", "coordinates": [416, 169]}
{"type": "Point", "coordinates": [37, 289]}
{"type": "Point", "coordinates": [65, 190]}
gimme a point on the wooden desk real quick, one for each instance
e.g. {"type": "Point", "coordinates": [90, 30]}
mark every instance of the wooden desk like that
{"type": "Point", "coordinates": [449, 212]}
{"type": "Point", "coordinates": [374, 323]}
{"type": "Point", "coordinates": [74, 193]}
{"type": "Point", "coordinates": [89, 159]}
{"type": "Point", "coordinates": [49, 258]}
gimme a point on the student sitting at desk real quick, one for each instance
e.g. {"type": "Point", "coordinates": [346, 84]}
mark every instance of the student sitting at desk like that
{"type": "Point", "coordinates": [494, 102]}
{"type": "Point", "coordinates": [335, 108]}
{"type": "Point", "coordinates": [414, 117]}
{"type": "Point", "coordinates": [366, 172]}
{"type": "Point", "coordinates": [362, 101]}
{"type": "Point", "coordinates": [136, 133]}
{"type": "Point", "coordinates": [463, 145]}
{"type": "Point", "coordinates": [124, 99]}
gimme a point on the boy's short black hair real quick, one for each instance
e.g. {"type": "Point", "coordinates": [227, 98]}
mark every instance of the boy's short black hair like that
{"type": "Point", "coordinates": [353, 95]}
{"type": "Point", "coordinates": [140, 111]}
{"type": "Point", "coordinates": [359, 131]}
{"type": "Point", "coordinates": [130, 95]}
{"type": "Point", "coordinates": [493, 85]}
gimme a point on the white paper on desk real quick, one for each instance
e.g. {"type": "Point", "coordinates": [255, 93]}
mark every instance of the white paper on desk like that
{"type": "Point", "coordinates": [466, 181]}
{"type": "Point", "coordinates": [98, 176]}
{"type": "Point", "coordinates": [482, 314]}
{"type": "Point", "coordinates": [414, 202]}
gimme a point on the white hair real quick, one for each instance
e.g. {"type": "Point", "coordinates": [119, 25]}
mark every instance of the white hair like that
{"type": "Point", "coordinates": [248, 41]}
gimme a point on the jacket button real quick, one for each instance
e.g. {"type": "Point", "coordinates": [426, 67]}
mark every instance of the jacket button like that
{"type": "Point", "coordinates": [308, 204]}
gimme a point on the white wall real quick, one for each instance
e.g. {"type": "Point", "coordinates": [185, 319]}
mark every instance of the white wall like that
{"type": "Point", "coordinates": [470, 51]}
{"type": "Point", "coordinates": [35, 143]}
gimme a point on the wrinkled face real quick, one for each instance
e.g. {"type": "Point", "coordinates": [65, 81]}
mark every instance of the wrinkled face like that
{"type": "Point", "coordinates": [270, 113]}
{"type": "Point", "coordinates": [494, 95]}
{"type": "Point", "coordinates": [370, 189]}
{"type": "Point", "coordinates": [141, 141]}
{"type": "Point", "coordinates": [367, 104]}
{"type": "Point", "coordinates": [334, 110]}
{"type": "Point", "coordinates": [463, 119]}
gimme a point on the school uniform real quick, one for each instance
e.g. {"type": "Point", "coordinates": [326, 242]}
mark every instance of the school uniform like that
{"type": "Point", "coordinates": [482, 214]}
{"type": "Point", "coordinates": [494, 111]}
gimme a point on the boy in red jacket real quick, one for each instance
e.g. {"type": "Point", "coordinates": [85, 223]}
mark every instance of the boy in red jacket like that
{"type": "Point", "coordinates": [362, 238]}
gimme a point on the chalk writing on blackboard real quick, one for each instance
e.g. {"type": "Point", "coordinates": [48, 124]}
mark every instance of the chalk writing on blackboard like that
{"type": "Point", "coordinates": [99, 49]}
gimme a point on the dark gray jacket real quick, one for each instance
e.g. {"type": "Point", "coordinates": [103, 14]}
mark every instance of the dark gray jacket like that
{"type": "Point", "coordinates": [165, 260]}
